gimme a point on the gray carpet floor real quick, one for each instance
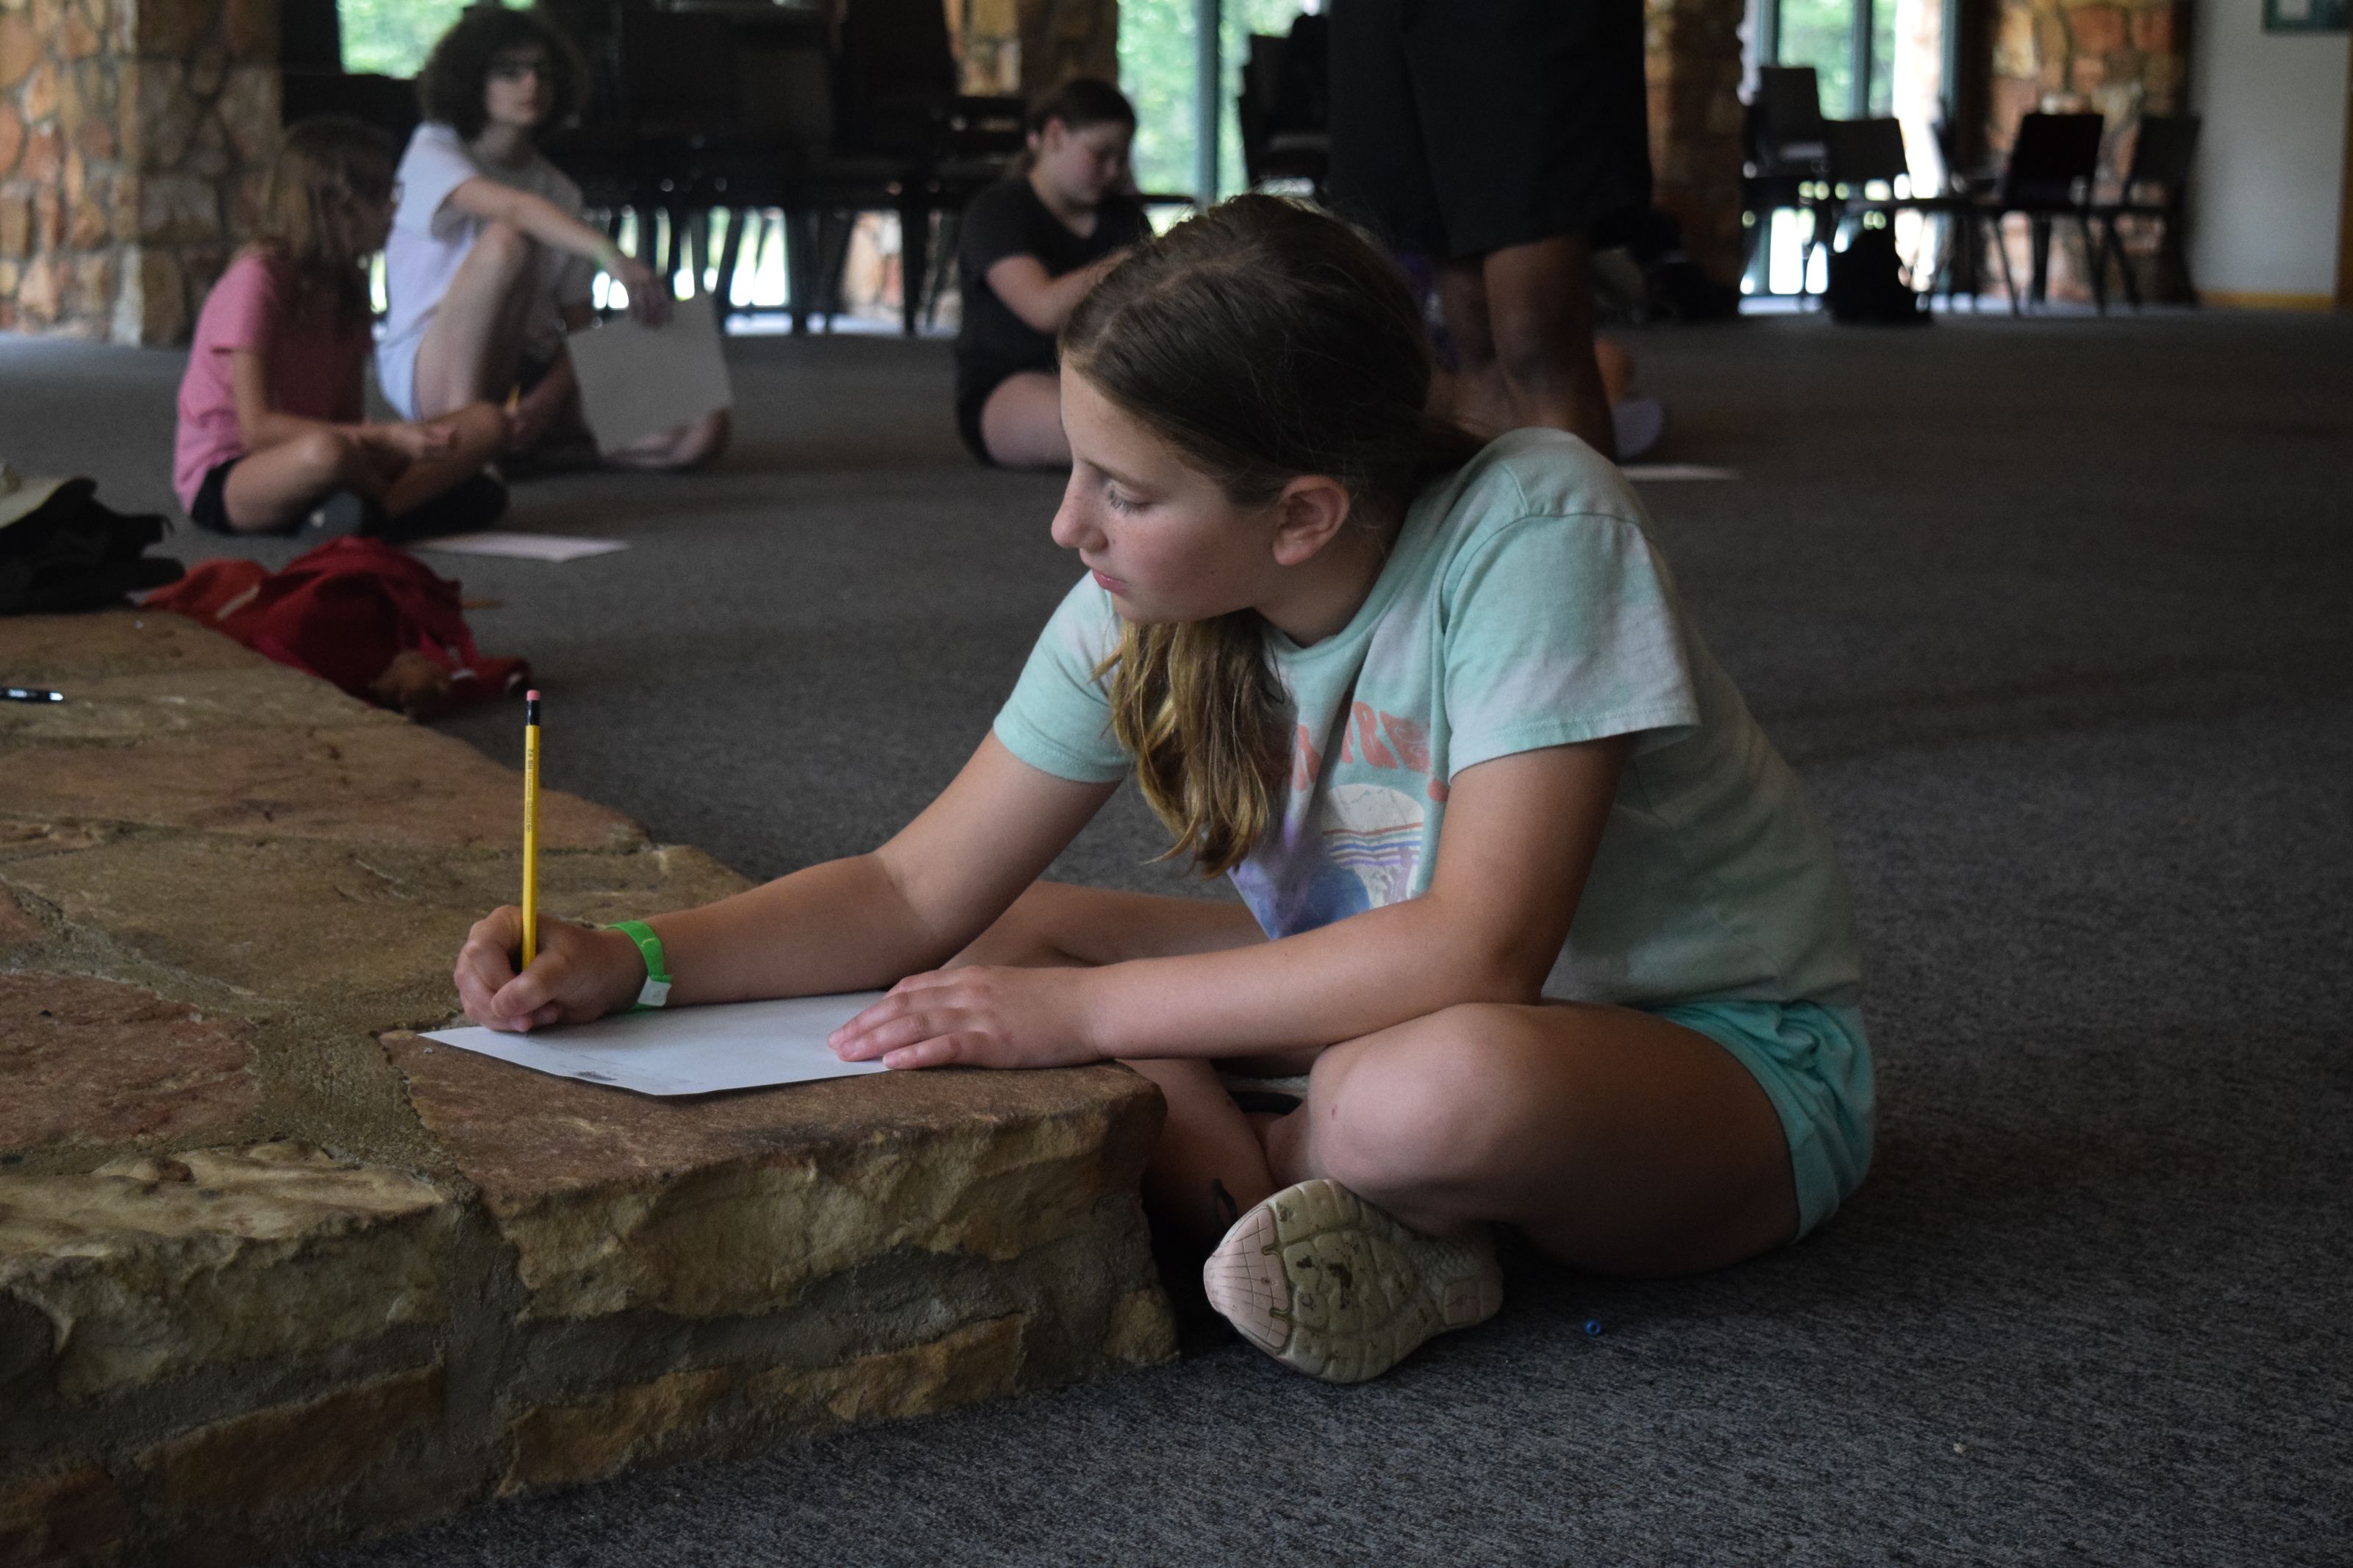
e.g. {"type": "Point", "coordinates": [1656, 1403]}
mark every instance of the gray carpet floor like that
{"type": "Point", "coordinates": [2055, 619]}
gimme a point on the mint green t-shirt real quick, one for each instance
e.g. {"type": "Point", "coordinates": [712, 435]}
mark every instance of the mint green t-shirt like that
{"type": "Point", "coordinates": [1522, 606]}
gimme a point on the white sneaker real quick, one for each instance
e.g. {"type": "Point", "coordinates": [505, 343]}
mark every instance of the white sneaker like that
{"type": "Point", "coordinates": [1328, 1284]}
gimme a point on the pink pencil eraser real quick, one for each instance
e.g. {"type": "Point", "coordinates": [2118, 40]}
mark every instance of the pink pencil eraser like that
{"type": "Point", "coordinates": [529, 696]}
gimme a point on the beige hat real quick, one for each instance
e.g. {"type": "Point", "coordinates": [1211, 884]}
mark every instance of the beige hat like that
{"type": "Point", "coordinates": [21, 497]}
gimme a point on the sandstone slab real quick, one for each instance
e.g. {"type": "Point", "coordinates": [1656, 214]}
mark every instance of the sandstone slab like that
{"type": "Point", "coordinates": [367, 783]}
{"type": "Point", "coordinates": [684, 1412]}
{"type": "Point", "coordinates": [18, 931]}
{"type": "Point", "coordinates": [216, 1351]}
{"type": "Point", "coordinates": [219, 1475]}
{"type": "Point", "coordinates": [733, 1203]}
{"type": "Point", "coordinates": [133, 706]}
{"type": "Point", "coordinates": [75, 1516]}
{"type": "Point", "coordinates": [91, 1061]}
{"type": "Point", "coordinates": [148, 1269]}
{"type": "Point", "coordinates": [55, 651]}
{"type": "Point", "coordinates": [363, 935]}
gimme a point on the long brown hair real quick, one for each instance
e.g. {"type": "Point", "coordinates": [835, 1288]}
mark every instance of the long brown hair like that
{"type": "Point", "coordinates": [1081, 102]}
{"type": "Point", "coordinates": [330, 173]}
{"type": "Point", "coordinates": [1264, 341]}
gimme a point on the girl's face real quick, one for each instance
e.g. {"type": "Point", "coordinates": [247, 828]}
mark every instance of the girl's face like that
{"type": "Point", "coordinates": [1160, 537]}
{"type": "Point", "coordinates": [1086, 165]}
{"type": "Point", "coordinates": [519, 90]}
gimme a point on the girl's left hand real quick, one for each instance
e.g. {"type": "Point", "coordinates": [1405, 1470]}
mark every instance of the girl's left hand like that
{"type": "Point", "coordinates": [977, 1016]}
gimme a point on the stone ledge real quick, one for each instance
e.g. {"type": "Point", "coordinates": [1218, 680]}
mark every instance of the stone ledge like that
{"type": "Point", "coordinates": [276, 1272]}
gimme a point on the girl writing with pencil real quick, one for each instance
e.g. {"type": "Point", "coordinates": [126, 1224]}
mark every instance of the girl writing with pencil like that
{"type": "Point", "coordinates": [1535, 925]}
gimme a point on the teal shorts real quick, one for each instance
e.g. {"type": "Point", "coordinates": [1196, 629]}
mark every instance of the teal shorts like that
{"type": "Point", "coordinates": [1815, 1066]}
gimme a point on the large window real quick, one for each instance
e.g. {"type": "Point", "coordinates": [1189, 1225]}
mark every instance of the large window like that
{"type": "Point", "coordinates": [392, 37]}
{"type": "Point", "coordinates": [1871, 59]}
{"type": "Point", "coordinates": [1156, 71]}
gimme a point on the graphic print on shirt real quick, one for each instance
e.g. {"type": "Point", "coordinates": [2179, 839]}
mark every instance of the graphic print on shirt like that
{"type": "Point", "coordinates": [1364, 843]}
{"type": "Point", "coordinates": [1374, 833]}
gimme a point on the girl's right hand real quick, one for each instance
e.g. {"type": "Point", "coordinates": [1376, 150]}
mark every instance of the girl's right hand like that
{"type": "Point", "coordinates": [648, 300]}
{"type": "Point", "coordinates": [578, 974]}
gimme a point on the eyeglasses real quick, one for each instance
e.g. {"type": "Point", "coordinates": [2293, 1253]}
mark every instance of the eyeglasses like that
{"type": "Point", "coordinates": [515, 70]}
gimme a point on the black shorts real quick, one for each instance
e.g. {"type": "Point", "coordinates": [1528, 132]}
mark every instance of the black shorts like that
{"type": "Point", "coordinates": [209, 510]}
{"type": "Point", "coordinates": [971, 398]}
{"type": "Point", "coordinates": [1464, 126]}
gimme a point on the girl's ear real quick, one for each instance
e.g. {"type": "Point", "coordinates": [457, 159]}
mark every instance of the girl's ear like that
{"type": "Point", "coordinates": [1311, 510]}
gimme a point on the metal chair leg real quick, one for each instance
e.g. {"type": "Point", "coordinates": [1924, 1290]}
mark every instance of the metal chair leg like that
{"type": "Point", "coordinates": [2002, 254]}
{"type": "Point", "coordinates": [801, 265]}
{"type": "Point", "coordinates": [731, 256]}
{"type": "Point", "coordinates": [2115, 245]}
{"type": "Point", "coordinates": [2093, 262]}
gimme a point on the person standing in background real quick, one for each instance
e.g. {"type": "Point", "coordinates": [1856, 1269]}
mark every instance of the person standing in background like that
{"type": "Point", "coordinates": [1498, 137]}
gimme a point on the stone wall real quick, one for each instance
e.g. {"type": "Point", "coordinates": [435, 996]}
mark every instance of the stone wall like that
{"type": "Point", "coordinates": [1030, 46]}
{"type": "Point", "coordinates": [1692, 64]}
{"type": "Point", "coordinates": [2122, 59]}
{"type": "Point", "coordinates": [275, 1271]}
{"type": "Point", "coordinates": [134, 135]}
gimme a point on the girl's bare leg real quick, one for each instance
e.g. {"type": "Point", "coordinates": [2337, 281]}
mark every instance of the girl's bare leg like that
{"type": "Point", "coordinates": [1208, 1166]}
{"type": "Point", "coordinates": [1539, 300]}
{"type": "Point", "coordinates": [1021, 423]}
{"type": "Point", "coordinates": [275, 486]}
{"type": "Point", "coordinates": [481, 432]}
{"type": "Point", "coordinates": [1616, 1140]}
{"type": "Point", "coordinates": [469, 353]}
{"type": "Point", "coordinates": [1481, 402]}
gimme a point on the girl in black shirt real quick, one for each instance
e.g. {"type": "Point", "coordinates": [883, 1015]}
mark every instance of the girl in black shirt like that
{"type": "Point", "coordinates": [1031, 248]}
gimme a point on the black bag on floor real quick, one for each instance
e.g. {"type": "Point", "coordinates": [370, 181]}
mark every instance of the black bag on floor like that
{"type": "Point", "coordinates": [1866, 284]}
{"type": "Point", "coordinates": [61, 550]}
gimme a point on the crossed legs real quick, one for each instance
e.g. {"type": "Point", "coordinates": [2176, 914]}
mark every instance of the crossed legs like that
{"type": "Point", "coordinates": [472, 352]}
{"type": "Point", "coordinates": [1021, 423]}
{"type": "Point", "coordinates": [270, 488]}
{"type": "Point", "coordinates": [1615, 1140]}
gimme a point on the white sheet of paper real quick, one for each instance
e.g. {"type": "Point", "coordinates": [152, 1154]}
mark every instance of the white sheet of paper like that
{"type": "Point", "coordinates": [636, 380]}
{"type": "Point", "coordinates": [1678, 471]}
{"type": "Point", "coordinates": [687, 1050]}
{"type": "Point", "coordinates": [522, 546]}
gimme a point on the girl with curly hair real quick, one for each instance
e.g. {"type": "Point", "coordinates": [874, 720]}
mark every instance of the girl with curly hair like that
{"type": "Point", "coordinates": [488, 265]}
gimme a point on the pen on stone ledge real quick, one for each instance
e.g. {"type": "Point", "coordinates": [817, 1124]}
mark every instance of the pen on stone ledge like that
{"type": "Point", "coordinates": [530, 826]}
{"type": "Point", "coordinates": [29, 694]}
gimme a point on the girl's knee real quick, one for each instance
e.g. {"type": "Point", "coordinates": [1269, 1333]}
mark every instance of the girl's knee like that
{"type": "Point", "coordinates": [1430, 1105]}
{"type": "Point", "coordinates": [503, 247]}
{"type": "Point", "coordinates": [324, 456]}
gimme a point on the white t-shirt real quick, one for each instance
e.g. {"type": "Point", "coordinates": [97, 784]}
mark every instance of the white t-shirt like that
{"type": "Point", "coordinates": [1522, 606]}
{"type": "Point", "coordinates": [430, 240]}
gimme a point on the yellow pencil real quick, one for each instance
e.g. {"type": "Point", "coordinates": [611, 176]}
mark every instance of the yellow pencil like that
{"type": "Point", "coordinates": [530, 826]}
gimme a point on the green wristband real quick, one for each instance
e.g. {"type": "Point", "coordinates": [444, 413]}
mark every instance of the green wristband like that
{"type": "Point", "coordinates": [655, 993]}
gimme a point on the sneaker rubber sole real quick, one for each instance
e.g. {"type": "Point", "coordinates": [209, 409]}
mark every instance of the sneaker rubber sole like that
{"type": "Point", "coordinates": [1333, 1287]}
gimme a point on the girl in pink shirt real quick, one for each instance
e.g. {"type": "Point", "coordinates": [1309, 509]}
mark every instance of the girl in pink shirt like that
{"type": "Point", "coordinates": [271, 433]}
